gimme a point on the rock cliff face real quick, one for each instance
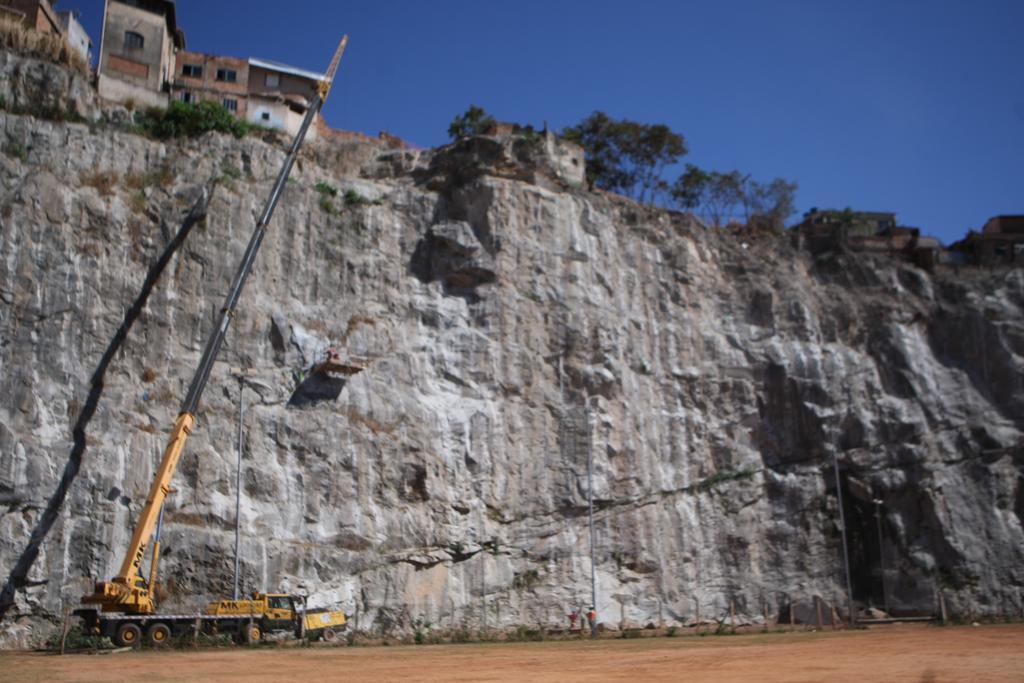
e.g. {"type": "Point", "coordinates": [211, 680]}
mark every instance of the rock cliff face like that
{"type": "Point", "coordinates": [509, 323]}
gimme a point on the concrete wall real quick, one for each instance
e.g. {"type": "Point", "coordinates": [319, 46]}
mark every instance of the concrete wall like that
{"type": "Point", "coordinates": [122, 62]}
{"type": "Point", "coordinates": [116, 90]}
{"type": "Point", "coordinates": [273, 113]}
{"type": "Point", "coordinates": [75, 34]}
{"type": "Point", "coordinates": [206, 87]}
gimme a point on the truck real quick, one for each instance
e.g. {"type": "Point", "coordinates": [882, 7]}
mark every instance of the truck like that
{"type": "Point", "coordinates": [125, 608]}
{"type": "Point", "coordinates": [276, 612]}
{"type": "Point", "coordinates": [245, 621]}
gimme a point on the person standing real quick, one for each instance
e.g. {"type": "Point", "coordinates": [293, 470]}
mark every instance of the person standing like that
{"type": "Point", "coordinates": [592, 621]}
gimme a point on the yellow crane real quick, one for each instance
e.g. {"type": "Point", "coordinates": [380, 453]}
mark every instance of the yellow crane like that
{"type": "Point", "coordinates": [125, 605]}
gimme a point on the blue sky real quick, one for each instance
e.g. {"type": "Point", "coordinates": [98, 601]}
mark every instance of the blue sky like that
{"type": "Point", "coordinates": [910, 106]}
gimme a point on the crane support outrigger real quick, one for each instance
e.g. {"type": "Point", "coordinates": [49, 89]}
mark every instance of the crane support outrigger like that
{"type": "Point", "coordinates": [129, 593]}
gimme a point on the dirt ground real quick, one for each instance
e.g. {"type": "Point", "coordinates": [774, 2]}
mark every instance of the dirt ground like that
{"type": "Point", "coordinates": [896, 653]}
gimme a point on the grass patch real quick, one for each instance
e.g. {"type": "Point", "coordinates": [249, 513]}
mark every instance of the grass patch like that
{"type": "Point", "coordinates": [722, 477]}
{"type": "Point", "coordinates": [326, 189]}
{"type": "Point", "coordinates": [160, 177]}
{"type": "Point", "coordinates": [327, 206]}
{"type": "Point", "coordinates": [49, 112]}
{"type": "Point", "coordinates": [29, 42]}
{"type": "Point", "coordinates": [16, 150]}
{"type": "Point", "coordinates": [354, 199]}
{"type": "Point", "coordinates": [138, 202]}
{"type": "Point", "coordinates": [78, 639]}
{"type": "Point", "coordinates": [230, 171]}
{"type": "Point", "coordinates": [103, 181]}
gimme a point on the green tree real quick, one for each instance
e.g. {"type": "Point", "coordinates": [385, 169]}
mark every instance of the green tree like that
{"type": "Point", "coordinates": [714, 195]}
{"type": "Point", "coordinates": [689, 188]}
{"type": "Point", "coordinates": [772, 202]}
{"type": "Point", "coordinates": [719, 197]}
{"type": "Point", "coordinates": [626, 156]}
{"type": "Point", "coordinates": [599, 137]}
{"type": "Point", "coordinates": [475, 121]}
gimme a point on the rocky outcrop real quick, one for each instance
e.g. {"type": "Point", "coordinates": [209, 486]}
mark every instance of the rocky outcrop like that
{"type": "Point", "coordinates": [44, 88]}
{"type": "Point", "coordinates": [508, 325]}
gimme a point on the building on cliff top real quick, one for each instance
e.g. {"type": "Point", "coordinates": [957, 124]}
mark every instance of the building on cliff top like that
{"type": "Point", "coordinates": [201, 77]}
{"type": "Point", "coordinates": [871, 231]}
{"type": "Point", "coordinates": [144, 61]}
{"type": "Point", "coordinates": [852, 223]}
{"type": "Point", "coordinates": [137, 50]}
{"type": "Point", "coordinates": [75, 34]}
{"type": "Point", "coordinates": [280, 95]}
{"type": "Point", "coordinates": [37, 14]}
{"type": "Point", "coordinates": [259, 91]}
{"type": "Point", "coordinates": [1000, 241]}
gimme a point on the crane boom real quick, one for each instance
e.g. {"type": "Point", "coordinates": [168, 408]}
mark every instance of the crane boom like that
{"type": "Point", "coordinates": [128, 592]}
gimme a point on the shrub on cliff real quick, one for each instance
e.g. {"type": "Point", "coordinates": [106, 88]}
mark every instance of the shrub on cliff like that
{"type": "Point", "coordinates": [475, 121]}
{"type": "Point", "coordinates": [183, 120]}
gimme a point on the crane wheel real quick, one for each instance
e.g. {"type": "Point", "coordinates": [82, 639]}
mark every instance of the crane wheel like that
{"type": "Point", "coordinates": [252, 634]}
{"type": "Point", "coordinates": [128, 635]}
{"type": "Point", "coordinates": [330, 635]}
{"type": "Point", "coordinates": [158, 635]}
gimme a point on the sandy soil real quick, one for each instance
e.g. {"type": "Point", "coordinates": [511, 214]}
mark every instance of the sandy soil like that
{"type": "Point", "coordinates": [922, 654]}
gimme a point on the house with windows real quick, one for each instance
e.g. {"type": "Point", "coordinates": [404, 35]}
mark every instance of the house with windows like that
{"type": "Point", "coordinates": [144, 60]}
{"type": "Point", "coordinates": [137, 51]}
{"type": "Point", "coordinates": [259, 91]}
{"type": "Point", "coordinates": [1000, 242]}
{"type": "Point", "coordinates": [279, 95]}
{"type": "Point", "coordinates": [201, 77]}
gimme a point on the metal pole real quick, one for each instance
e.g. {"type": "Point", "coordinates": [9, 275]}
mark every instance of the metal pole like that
{"type": "Point", "coordinates": [846, 552]}
{"type": "Point", "coordinates": [238, 480]}
{"type": "Point", "coordinates": [590, 505]}
{"type": "Point", "coordinates": [881, 552]}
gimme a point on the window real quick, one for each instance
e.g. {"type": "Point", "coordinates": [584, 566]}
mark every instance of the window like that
{"type": "Point", "coordinates": [186, 97]}
{"type": "Point", "coordinates": [272, 80]}
{"type": "Point", "coordinates": [192, 71]}
{"type": "Point", "coordinates": [265, 116]}
{"type": "Point", "coordinates": [230, 104]}
{"type": "Point", "coordinates": [228, 75]}
{"type": "Point", "coordinates": [278, 602]}
{"type": "Point", "coordinates": [133, 40]}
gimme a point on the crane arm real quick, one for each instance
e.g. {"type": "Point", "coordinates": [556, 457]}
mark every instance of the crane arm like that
{"type": "Point", "coordinates": [125, 593]}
